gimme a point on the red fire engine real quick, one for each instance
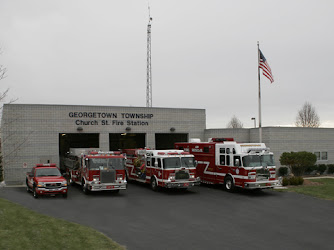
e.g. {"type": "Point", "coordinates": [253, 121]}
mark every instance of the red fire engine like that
{"type": "Point", "coordinates": [96, 170]}
{"type": "Point", "coordinates": [161, 168]}
{"type": "Point", "coordinates": [224, 161]}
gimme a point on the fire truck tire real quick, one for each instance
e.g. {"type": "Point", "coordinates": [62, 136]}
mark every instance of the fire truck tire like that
{"type": "Point", "coordinates": [229, 184]}
{"type": "Point", "coordinates": [154, 184]}
{"type": "Point", "coordinates": [35, 193]}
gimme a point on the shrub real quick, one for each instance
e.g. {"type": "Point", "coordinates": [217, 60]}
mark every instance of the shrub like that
{"type": "Point", "coordinates": [294, 180]}
{"type": "Point", "coordinates": [285, 181]}
{"type": "Point", "coordinates": [330, 169]}
{"type": "Point", "coordinates": [298, 161]}
{"type": "Point", "coordinates": [283, 171]}
{"type": "Point", "coordinates": [322, 168]}
{"type": "Point", "coordinates": [310, 169]}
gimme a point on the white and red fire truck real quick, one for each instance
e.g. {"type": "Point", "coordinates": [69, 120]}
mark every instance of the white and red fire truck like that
{"type": "Point", "coordinates": [161, 168]}
{"type": "Point", "coordinates": [96, 170]}
{"type": "Point", "coordinates": [224, 161]}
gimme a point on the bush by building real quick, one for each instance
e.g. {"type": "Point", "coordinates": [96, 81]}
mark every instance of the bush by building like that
{"type": "Point", "coordinates": [283, 171]}
{"type": "Point", "coordinates": [322, 168]}
{"type": "Point", "coordinates": [330, 169]}
{"type": "Point", "coordinates": [293, 180]}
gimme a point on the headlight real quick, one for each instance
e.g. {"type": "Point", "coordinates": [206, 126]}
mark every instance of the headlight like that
{"type": "Point", "coordinates": [41, 184]}
{"type": "Point", "coordinates": [171, 177]}
{"type": "Point", "coordinates": [119, 177]}
{"type": "Point", "coordinates": [251, 176]}
{"type": "Point", "coordinates": [64, 183]}
{"type": "Point", "coordinates": [192, 176]}
{"type": "Point", "coordinates": [272, 175]}
{"type": "Point", "coordinates": [96, 178]}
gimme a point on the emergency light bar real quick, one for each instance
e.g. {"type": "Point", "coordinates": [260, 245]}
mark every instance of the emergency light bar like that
{"type": "Point", "coordinates": [259, 150]}
{"type": "Point", "coordinates": [220, 139]}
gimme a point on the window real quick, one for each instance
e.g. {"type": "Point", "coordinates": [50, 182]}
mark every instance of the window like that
{"type": "Point", "coordinates": [159, 163]}
{"type": "Point", "coordinates": [324, 156]}
{"type": "Point", "coordinates": [206, 150]}
{"type": "Point", "coordinates": [222, 151]}
{"type": "Point", "coordinates": [227, 160]}
{"type": "Point", "coordinates": [321, 156]}
{"type": "Point", "coordinates": [227, 150]}
{"type": "Point", "coordinates": [222, 160]}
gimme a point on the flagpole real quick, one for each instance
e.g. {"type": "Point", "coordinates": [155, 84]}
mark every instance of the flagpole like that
{"type": "Point", "coordinates": [258, 70]}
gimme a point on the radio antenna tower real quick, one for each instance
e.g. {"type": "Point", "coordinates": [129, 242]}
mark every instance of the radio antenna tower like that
{"type": "Point", "coordinates": [149, 67]}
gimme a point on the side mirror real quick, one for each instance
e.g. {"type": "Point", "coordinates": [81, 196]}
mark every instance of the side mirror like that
{"type": "Point", "coordinates": [196, 163]}
{"type": "Point", "coordinates": [156, 164]}
{"type": "Point", "coordinates": [237, 162]}
{"type": "Point", "coordinates": [31, 175]}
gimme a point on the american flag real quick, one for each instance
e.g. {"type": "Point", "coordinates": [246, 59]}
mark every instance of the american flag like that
{"type": "Point", "coordinates": [266, 70]}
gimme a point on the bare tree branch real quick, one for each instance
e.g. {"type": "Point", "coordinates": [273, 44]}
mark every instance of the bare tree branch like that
{"type": "Point", "coordinates": [235, 123]}
{"type": "Point", "coordinates": [307, 117]}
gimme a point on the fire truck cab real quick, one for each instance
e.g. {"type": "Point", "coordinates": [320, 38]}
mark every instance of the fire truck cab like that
{"type": "Point", "coordinates": [161, 168]}
{"type": "Point", "coordinates": [96, 170]}
{"type": "Point", "coordinates": [224, 161]}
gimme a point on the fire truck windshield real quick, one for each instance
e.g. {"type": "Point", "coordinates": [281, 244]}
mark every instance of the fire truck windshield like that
{"type": "Point", "coordinates": [258, 160]}
{"type": "Point", "coordinates": [105, 163]}
{"type": "Point", "coordinates": [47, 172]}
{"type": "Point", "coordinates": [178, 162]}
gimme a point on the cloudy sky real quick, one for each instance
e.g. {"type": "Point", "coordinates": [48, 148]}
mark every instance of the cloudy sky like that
{"type": "Point", "coordinates": [204, 55]}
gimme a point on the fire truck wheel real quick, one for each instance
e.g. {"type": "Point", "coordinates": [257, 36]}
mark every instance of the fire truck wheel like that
{"type": "Point", "coordinates": [228, 183]}
{"type": "Point", "coordinates": [35, 193]}
{"type": "Point", "coordinates": [154, 184]}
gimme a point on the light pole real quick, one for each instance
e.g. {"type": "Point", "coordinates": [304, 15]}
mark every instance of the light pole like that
{"type": "Point", "coordinates": [253, 118]}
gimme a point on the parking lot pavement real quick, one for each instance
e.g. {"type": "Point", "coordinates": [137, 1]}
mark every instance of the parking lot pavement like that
{"type": "Point", "coordinates": [205, 217]}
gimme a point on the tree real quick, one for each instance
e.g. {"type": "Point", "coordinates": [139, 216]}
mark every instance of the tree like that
{"type": "Point", "coordinates": [307, 117]}
{"type": "Point", "coordinates": [235, 123]}
{"type": "Point", "coordinates": [298, 161]}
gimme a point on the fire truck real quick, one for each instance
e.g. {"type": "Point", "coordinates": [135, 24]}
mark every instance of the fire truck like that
{"type": "Point", "coordinates": [96, 170]}
{"type": "Point", "coordinates": [161, 168]}
{"type": "Point", "coordinates": [224, 161]}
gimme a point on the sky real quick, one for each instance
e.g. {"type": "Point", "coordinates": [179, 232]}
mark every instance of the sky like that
{"type": "Point", "coordinates": [204, 55]}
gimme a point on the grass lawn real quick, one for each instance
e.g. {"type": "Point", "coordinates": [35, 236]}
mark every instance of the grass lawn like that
{"type": "Point", "coordinates": [21, 228]}
{"type": "Point", "coordinates": [324, 191]}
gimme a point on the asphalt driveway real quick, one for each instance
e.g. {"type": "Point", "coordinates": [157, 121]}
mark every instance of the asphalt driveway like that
{"type": "Point", "coordinates": [203, 218]}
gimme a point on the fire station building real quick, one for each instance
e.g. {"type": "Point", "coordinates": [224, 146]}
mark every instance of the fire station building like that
{"type": "Point", "coordinates": [36, 133]}
{"type": "Point", "coordinates": [44, 133]}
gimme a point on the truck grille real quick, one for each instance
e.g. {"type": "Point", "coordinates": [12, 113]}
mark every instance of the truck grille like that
{"type": "Point", "coordinates": [181, 175]}
{"type": "Point", "coordinates": [262, 174]}
{"type": "Point", "coordinates": [53, 185]}
{"type": "Point", "coordinates": [108, 176]}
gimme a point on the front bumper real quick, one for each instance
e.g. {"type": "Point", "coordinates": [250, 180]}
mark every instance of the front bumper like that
{"type": "Point", "coordinates": [262, 184]}
{"type": "Point", "coordinates": [182, 184]}
{"type": "Point", "coordinates": [50, 191]}
{"type": "Point", "coordinates": [107, 186]}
